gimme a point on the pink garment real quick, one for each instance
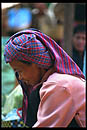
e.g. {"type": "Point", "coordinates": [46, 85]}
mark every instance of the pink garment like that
{"type": "Point", "coordinates": [62, 97]}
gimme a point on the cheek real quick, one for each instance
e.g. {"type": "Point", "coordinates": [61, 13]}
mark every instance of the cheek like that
{"type": "Point", "coordinates": [31, 74]}
{"type": "Point", "coordinates": [34, 76]}
{"type": "Point", "coordinates": [27, 75]}
{"type": "Point", "coordinates": [84, 42]}
{"type": "Point", "coordinates": [75, 43]}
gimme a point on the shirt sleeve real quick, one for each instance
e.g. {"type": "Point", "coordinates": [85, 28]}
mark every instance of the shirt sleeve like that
{"type": "Point", "coordinates": [56, 107]}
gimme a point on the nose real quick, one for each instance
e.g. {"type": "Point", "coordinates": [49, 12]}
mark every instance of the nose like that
{"type": "Point", "coordinates": [80, 41]}
{"type": "Point", "coordinates": [20, 76]}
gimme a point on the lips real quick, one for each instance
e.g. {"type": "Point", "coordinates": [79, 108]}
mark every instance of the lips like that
{"type": "Point", "coordinates": [27, 84]}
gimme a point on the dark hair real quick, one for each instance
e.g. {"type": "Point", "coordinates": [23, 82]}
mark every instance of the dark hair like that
{"type": "Point", "coordinates": [79, 28]}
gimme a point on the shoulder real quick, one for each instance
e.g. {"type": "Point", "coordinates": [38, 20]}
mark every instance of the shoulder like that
{"type": "Point", "coordinates": [64, 79]}
{"type": "Point", "coordinates": [54, 83]}
{"type": "Point", "coordinates": [64, 83]}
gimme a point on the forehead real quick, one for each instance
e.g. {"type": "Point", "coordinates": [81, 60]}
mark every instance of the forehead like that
{"type": "Point", "coordinates": [80, 34]}
{"type": "Point", "coordinates": [17, 64]}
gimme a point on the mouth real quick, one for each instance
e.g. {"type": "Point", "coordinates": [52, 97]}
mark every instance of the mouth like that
{"type": "Point", "coordinates": [27, 83]}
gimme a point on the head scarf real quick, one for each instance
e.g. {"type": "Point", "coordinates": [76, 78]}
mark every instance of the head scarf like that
{"type": "Point", "coordinates": [34, 46]}
{"type": "Point", "coordinates": [27, 48]}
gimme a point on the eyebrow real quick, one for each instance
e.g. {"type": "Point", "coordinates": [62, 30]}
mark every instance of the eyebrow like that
{"type": "Point", "coordinates": [26, 62]}
{"type": "Point", "coordinates": [16, 69]}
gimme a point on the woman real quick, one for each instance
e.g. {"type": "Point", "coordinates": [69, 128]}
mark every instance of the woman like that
{"type": "Point", "coordinates": [79, 45]}
{"type": "Point", "coordinates": [53, 85]}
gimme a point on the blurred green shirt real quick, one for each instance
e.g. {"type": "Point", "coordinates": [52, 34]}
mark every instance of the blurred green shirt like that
{"type": "Point", "coordinates": [7, 74]}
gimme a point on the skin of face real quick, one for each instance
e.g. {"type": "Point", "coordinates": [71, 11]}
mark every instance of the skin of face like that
{"type": "Point", "coordinates": [31, 73]}
{"type": "Point", "coordinates": [79, 41]}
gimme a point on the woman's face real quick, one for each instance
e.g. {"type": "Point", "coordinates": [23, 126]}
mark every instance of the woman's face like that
{"type": "Point", "coordinates": [31, 74]}
{"type": "Point", "coordinates": [79, 41]}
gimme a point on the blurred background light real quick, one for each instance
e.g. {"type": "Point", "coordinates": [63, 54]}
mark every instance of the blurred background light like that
{"type": "Point", "coordinates": [7, 5]}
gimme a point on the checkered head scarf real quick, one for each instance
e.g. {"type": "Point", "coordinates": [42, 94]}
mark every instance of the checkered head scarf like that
{"type": "Point", "coordinates": [34, 46]}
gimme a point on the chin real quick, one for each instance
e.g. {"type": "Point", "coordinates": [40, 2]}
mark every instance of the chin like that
{"type": "Point", "coordinates": [80, 49]}
{"type": "Point", "coordinates": [28, 83]}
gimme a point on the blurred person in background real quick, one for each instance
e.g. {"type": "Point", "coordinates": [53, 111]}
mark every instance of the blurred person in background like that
{"type": "Point", "coordinates": [53, 85]}
{"type": "Point", "coordinates": [79, 45]}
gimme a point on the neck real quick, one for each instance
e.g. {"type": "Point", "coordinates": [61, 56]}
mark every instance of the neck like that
{"type": "Point", "coordinates": [46, 75]}
{"type": "Point", "coordinates": [81, 53]}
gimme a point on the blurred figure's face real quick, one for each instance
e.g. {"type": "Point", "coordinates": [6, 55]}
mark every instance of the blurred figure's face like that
{"type": "Point", "coordinates": [79, 41]}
